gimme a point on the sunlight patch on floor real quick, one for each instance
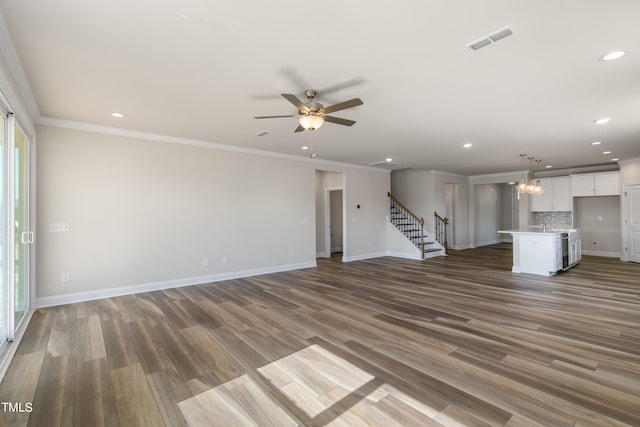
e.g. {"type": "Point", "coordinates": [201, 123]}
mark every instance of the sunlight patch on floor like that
{"type": "Point", "coordinates": [318, 383]}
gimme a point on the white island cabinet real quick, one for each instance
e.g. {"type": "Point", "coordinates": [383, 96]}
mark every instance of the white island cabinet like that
{"type": "Point", "coordinates": [543, 253]}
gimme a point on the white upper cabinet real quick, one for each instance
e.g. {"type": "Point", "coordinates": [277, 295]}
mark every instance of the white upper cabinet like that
{"type": "Point", "coordinates": [596, 184]}
{"type": "Point", "coordinates": [556, 196]}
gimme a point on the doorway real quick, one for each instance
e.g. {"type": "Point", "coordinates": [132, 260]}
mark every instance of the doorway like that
{"type": "Point", "coordinates": [335, 228]}
{"type": "Point", "coordinates": [450, 197]}
{"type": "Point", "coordinates": [632, 196]}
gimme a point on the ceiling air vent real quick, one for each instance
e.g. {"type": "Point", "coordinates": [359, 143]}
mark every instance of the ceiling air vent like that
{"type": "Point", "coordinates": [489, 39]}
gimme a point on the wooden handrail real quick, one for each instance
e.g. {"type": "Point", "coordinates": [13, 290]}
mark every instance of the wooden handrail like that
{"type": "Point", "coordinates": [441, 230]}
{"type": "Point", "coordinates": [416, 217]}
{"type": "Point", "coordinates": [445, 220]}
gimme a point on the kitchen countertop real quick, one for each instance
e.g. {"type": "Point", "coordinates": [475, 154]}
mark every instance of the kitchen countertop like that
{"type": "Point", "coordinates": [548, 232]}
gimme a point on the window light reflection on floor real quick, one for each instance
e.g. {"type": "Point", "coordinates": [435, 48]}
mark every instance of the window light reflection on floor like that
{"type": "Point", "coordinates": [321, 385]}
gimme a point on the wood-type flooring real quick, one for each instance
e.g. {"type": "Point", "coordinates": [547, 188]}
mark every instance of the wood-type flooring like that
{"type": "Point", "coordinates": [453, 341]}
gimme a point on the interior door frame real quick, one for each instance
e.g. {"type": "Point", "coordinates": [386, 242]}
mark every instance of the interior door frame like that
{"type": "Point", "coordinates": [327, 236]}
{"type": "Point", "coordinates": [626, 218]}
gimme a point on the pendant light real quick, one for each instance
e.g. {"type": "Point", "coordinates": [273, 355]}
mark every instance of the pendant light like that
{"type": "Point", "coordinates": [532, 183]}
{"type": "Point", "coordinates": [527, 183]}
{"type": "Point", "coordinates": [522, 185]}
{"type": "Point", "coordinates": [537, 189]}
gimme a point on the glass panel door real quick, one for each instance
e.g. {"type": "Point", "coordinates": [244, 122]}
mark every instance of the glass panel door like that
{"type": "Point", "coordinates": [23, 236]}
{"type": "Point", "coordinates": [4, 293]}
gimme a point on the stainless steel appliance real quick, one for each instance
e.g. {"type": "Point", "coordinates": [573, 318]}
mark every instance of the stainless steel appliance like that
{"type": "Point", "coordinates": [564, 242]}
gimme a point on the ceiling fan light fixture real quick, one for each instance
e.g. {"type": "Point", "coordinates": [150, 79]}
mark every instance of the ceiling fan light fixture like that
{"type": "Point", "coordinates": [311, 121]}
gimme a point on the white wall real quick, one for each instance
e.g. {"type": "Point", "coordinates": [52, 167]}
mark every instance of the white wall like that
{"type": "Point", "coordinates": [488, 213]}
{"type": "Point", "coordinates": [630, 172]}
{"type": "Point", "coordinates": [146, 214]}
{"type": "Point", "coordinates": [598, 219]}
{"type": "Point", "coordinates": [366, 209]}
{"type": "Point", "coordinates": [414, 189]}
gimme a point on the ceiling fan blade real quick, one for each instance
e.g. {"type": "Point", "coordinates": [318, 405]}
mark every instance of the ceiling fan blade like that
{"type": "Point", "coordinates": [341, 106]}
{"type": "Point", "coordinates": [272, 117]}
{"type": "Point", "coordinates": [299, 129]}
{"type": "Point", "coordinates": [338, 120]}
{"type": "Point", "coordinates": [295, 101]}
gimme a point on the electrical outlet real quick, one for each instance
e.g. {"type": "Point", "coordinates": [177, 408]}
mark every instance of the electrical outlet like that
{"type": "Point", "coordinates": [225, 260]}
{"type": "Point", "coordinates": [205, 262]}
{"type": "Point", "coordinates": [66, 277]}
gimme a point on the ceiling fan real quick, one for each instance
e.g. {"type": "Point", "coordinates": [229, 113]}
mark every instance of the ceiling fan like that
{"type": "Point", "coordinates": [387, 161]}
{"type": "Point", "coordinates": [311, 115]}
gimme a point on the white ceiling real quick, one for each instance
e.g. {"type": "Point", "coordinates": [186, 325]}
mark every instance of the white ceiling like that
{"type": "Point", "coordinates": [203, 69]}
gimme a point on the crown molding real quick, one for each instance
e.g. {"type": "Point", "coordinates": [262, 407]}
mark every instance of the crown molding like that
{"type": "Point", "coordinates": [127, 133]}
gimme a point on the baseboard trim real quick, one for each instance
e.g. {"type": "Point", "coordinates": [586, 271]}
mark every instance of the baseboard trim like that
{"type": "Point", "coordinates": [364, 256]}
{"type": "Point", "coordinates": [167, 284]}
{"type": "Point", "coordinates": [404, 255]}
{"type": "Point", "coordinates": [602, 253]}
{"type": "Point", "coordinates": [487, 243]}
{"type": "Point", "coordinates": [461, 247]}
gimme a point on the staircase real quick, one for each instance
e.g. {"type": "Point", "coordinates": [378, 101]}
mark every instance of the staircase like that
{"type": "Point", "coordinates": [413, 228]}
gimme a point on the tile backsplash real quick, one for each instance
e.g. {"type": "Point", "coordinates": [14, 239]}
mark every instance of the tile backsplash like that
{"type": "Point", "coordinates": [553, 220]}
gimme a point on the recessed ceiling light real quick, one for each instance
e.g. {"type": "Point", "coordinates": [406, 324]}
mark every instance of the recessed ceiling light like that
{"type": "Point", "coordinates": [602, 121]}
{"type": "Point", "coordinates": [613, 55]}
{"type": "Point", "coordinates": [118, 115]}
{"type": "Point", "coordinates": [606, 152]}
{"type": "Point", "coordinates": [468, 145]}
{"type": "Point", "coordinates": [615, 159]}
{"type": "Point", "coordinates": [305, 148]}
{"type": "Point", "coordinates": [548, 166]}
{"type": "Point", "coordinates": [388, 159]}
{"type": "Point", "coordinates": [596, 143]}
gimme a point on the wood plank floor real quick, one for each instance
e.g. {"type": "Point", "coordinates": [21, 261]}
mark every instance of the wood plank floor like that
{"type": "Point", "coordinates": [457, 340]}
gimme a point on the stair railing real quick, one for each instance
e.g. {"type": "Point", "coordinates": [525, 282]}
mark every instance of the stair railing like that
{"type": "Point", "coordinates": [441, 231]}
{"type": "Point", "coordinates": [414, 222]}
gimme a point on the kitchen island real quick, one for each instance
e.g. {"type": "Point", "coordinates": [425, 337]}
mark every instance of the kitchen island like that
{"type": "Point", "coordinates": [544, 252]}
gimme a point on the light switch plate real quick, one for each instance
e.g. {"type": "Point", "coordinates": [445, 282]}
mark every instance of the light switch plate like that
{"type": "Point", "coordinates": [58, 227]}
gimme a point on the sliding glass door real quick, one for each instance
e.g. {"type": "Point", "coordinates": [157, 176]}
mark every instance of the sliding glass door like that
{"type": "Point", "coordinates": [23, 235]}
{"type": "Point", "coordinates": [15, 233]}
{"type": "Point", "coordinates": [4, 290]}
